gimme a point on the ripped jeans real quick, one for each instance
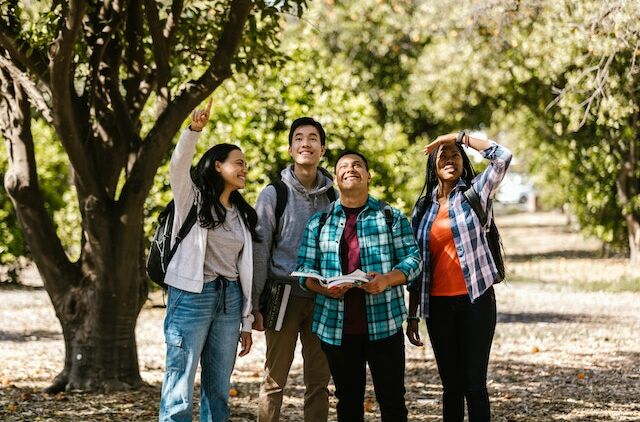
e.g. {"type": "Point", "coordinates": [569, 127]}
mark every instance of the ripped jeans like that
{"type": "Point", "coordinates": [197, 329]}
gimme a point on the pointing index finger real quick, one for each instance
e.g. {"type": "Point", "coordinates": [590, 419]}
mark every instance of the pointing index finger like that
{"type": "Point", "coordinates": [209, 105]}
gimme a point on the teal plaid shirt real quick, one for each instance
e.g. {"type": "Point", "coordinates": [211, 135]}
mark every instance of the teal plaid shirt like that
{"type": "Point", "coordinates": [381, 250]}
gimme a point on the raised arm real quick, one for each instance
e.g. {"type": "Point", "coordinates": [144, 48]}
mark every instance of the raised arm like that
{"type": "Point", "coordinates": [487, 182]}
{"type": "Point", "coordinates": [180, 166]}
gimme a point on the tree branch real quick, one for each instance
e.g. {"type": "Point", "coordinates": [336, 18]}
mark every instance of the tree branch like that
{"type": "Point", "coordinates": [159, 137]}
{"type": "Point", "coordinates": [34, 93]}
{"type": "Point", "coordinates": [36, 62]}
{"type": "Point", "coordinates": [71, 120]}
{"type": "Point", "coordinates": [173, 19]}
{"type": "Point", "coordinates": [136, 90]}
{"type": "Point", "coordinates": [21, 182]}
{"type": "Point", "coordinates": [160, 47]}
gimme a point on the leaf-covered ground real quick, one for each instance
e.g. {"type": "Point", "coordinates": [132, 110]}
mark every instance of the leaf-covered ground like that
{"type": "Point", "coordinates": [563, 349]}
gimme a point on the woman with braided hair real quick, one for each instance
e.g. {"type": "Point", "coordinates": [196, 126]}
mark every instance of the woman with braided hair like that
{"type": "Point", "coordinates": [455, 291]}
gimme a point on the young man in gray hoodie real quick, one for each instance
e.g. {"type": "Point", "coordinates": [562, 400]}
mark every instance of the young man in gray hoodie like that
{"type": "Point", "coordinates": [275, 258]}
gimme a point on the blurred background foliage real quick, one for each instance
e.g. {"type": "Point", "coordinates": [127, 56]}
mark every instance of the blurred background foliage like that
{"type": "Point", "coordinates": [556, 81]}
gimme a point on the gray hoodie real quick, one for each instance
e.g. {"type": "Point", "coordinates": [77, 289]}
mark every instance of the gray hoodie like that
{"type": "Point", "coordinates": [277, 261]}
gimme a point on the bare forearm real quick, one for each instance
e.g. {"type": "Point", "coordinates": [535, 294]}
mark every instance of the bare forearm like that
{"type": "Point", "coordinates": [477, 143]}
{"type": "Point", "coordinates": [413, 303]}
{"type": "Point", "coordinates": [395, 278]}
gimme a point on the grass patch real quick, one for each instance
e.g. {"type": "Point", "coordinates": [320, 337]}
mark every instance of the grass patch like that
{"type": "Point", "coordinates": [515, 278]}
{"type": "Point", "coordinates": [624, 284]}
{"type": "Point", "coordinates": [611, 286]}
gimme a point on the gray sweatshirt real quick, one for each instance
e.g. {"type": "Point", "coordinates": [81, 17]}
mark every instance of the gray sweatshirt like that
{"type": "Point", "coordinates": [277, 261]}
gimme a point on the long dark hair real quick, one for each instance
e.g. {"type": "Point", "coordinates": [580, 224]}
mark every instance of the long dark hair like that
{"type": "Point", "coordinates": [431, 180]}
{"type": "Point", "coordinates": [210, 184]}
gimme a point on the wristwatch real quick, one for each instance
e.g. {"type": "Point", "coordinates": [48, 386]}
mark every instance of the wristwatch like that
{"type": "Point", "coordinates": [460, 137]}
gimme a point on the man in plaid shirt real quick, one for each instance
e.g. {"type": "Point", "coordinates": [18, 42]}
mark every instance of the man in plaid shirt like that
{"type": "Point", "coordinates": [363, 324]}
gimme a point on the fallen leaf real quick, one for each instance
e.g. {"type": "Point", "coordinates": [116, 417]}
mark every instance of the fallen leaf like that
{"type": "Point", "coordinates": [368, 405]}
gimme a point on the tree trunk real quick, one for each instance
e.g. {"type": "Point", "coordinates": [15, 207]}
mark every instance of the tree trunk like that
{"type": "Point", "coordinates": [633, 227]}
{"type": "Point", "coordinates": [98, 315]}
{"type": "Point", "coordinates": [628, 189]}
{"type": "Point", "coordinates": [100, 345]}
{"type": "Point", "coordinates": [98, 299]}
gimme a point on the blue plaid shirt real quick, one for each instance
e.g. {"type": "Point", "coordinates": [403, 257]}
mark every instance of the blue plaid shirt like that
{"type": "Point", "coordinates": [474, 255]}
{"type": "Point", "coordinates": [380, 251]}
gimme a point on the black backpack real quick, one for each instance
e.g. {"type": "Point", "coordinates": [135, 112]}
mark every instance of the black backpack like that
{"type": "Point", "coordinates": [282, 195]}
{"type": "Point", "coordinates": [491, 232]}
{"type": "Point", "coordinates": [493, 236]}
{"type": "Point", "coordinates": [159, 253]}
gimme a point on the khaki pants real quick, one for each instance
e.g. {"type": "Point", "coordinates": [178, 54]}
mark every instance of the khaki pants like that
{"type": "Point", "coordinates": [280, 352]}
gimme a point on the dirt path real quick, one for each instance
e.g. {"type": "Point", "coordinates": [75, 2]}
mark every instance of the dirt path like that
{"type": "Point", "coordinates": [561, 351]}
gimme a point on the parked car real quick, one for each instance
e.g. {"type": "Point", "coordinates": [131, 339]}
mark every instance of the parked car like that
{"type": "Point", "coordinates": [515, 189]}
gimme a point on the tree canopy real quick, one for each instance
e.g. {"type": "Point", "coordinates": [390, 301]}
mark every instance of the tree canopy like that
{"type": "Point", "coordinates": [112, 82]}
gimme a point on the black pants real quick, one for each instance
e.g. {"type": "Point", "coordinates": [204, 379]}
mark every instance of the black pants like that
{"type": "Point", "coordinates": [386, 362]}
{"type": "Point", "coordinates": [461, 334]}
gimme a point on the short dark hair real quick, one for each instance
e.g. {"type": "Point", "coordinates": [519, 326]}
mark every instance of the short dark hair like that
{"type": "Point", "coordinates": [307, 121]}
{"type": "Point", "coordinates": [351, 152]}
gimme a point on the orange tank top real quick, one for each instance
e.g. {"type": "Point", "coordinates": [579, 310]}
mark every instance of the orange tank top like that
{"type": "Point", "coordinates": [446, 273]}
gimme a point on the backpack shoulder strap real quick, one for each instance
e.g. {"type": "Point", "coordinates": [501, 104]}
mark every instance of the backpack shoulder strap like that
{"type": "Point", "coordinates": [474, 200]}
{"type": "Point", "coordinates": [323, 217]}
{"type": "Point", "coordinates": [388, 214]}
{"type": "Point", "coordinates": [388, 219]}
{"type": "Point", "coordinates": [282, 195]}
{"type": "Point", "coordinates": [418, 210]}
{"type": "Point", "coordinates": [331, 194]}
{"type": "Point", "coordinates": [187, 224]}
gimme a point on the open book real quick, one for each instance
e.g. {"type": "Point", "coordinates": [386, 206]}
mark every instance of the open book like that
{"type": "Point", "coordinates": [357, 278]}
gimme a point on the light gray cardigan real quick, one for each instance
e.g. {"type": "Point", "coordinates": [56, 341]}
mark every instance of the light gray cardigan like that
{"type": "Point", "coordinates": [186, 268]}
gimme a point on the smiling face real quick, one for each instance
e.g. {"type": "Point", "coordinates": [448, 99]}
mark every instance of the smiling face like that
{"type": "Point", "coordinates": [233, 170]}
{"type": "Point", "coordinates": [449, 165]}
{"type": "Point", "coordinates": [306, 147]}
{"type": "Point", "coordinates": [352, 174]}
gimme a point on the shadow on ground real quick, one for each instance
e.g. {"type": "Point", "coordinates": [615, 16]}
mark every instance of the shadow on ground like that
{"type": "Point", "coordinates": [35, 335]}
{"type": "Point", "coordinates": [520, 391]}
{"type": "Point", "coordinates": [549, 317]}
{"type": "Point", "coordinates": [574, 254]}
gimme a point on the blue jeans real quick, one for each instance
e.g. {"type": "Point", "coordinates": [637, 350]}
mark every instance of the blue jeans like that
{"type": "Point", "coordinates": [197, 328]}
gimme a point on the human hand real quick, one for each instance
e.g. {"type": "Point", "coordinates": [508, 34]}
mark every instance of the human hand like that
{"type": "Point", "coordinates": [200, 117]}
{"type": "Point", "coordinates": [245, 343]}
{"type": "Point", "coordinates": [449, 138]}
{"type": "Point", "coordinates": [333, 292]}
{"type": "Point", "coordinates": [338, 291]}
{"type": "Point", "coordinates": [378, 284]}
{"type": "Point", "coordinates": [413, 332]}
{"type": "Point", "coordinates": [258, 321]}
